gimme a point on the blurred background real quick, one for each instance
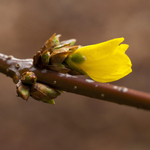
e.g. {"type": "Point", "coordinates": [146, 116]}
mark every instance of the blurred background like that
{"type": "Point", "coordinates": [75, 122]}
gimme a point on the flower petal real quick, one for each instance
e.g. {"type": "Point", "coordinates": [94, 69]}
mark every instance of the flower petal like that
{"type": "Point", "coordinates": [110, 68]}
{"type": "Point", "coordinates": [98, 51]}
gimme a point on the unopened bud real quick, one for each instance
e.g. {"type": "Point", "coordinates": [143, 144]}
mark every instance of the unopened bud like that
{"type": "Point", "coordinates": [51, 42]}
{"type": "Point", "coordinates": [28, 78]}
{"type": "Point", "coordinates": [23, 91]}
{"type": "Point", "coordinates": [45, 58]}
{"type": "Point", "coordinates": [43, 92]}
{"type": "Point", "coordinates": [59, 57]}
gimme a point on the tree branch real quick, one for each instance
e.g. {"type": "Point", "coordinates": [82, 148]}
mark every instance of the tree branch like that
{"type": "Point", "coordinates": [13, 67]}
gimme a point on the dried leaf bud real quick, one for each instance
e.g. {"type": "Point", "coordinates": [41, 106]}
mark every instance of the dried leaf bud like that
{"type": "Point", "coordinates": [23, 90]}
{"type": "Point", "coordinates": [36, 58]}
{"type": "Point", "coordinates": [60, 50]}
{"type": "Point", "coordinates": [59, 57]}
{"type": "Point", "coordinates": [45, 58]}
{"type": "Point", "coordinates": [48, 43]}
{"type": "Point", "coordinates": [43, 92]}
{"type": "Point", "coordinates": [28, 78]}
{"type": "Point", "coordinates": [70, 42]}
{"type": "Point", "coordinates": [51, 42]}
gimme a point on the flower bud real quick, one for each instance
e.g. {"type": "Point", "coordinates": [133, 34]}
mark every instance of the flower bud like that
{"type": "Point", "coordinates": [23, 90]}
{"type": "Point", "coordinates": [28, 78]}
{"type": "Point", "coordinates": [45, 58]}
{"type": "Point", "coordinates": [43, 93]}
{"type": "Point", "coordinates": [51, 42]}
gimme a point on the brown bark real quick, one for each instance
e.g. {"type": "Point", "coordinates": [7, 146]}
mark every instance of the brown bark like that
{"type": "Point", "coordinates": [13, 67]}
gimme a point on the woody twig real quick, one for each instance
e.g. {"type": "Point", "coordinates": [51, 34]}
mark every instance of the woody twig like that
{"type": "Point", "coordinates": [13, 68]}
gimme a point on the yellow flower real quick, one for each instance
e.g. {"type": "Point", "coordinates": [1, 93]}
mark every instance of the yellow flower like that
{"type": "Point", "coordinates": [103, 62]}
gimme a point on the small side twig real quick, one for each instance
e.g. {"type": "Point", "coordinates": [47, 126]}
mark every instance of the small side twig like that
{"type": "Point", "coordinates": [14, 67]}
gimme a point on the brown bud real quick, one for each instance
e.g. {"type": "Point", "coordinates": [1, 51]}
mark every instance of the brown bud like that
{"type": "Point", "coordinates": [23, 90]}
{"type": "Point", "coordinates": [45, 58]}
{"type": "Point", "coordinates": [43, 92]}
{"type": "Point", "coordinates": [59, 57]}
{"type": "Point", "coordinates": [60, 50]}
{"type": "Point", "coordinates": [28, 78]}
{"type": "Point", "coordinates": [51, 42]}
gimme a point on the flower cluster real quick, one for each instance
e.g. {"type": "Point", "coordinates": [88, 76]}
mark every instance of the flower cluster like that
{"type": "Point", "coordinates": [103, 62]}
